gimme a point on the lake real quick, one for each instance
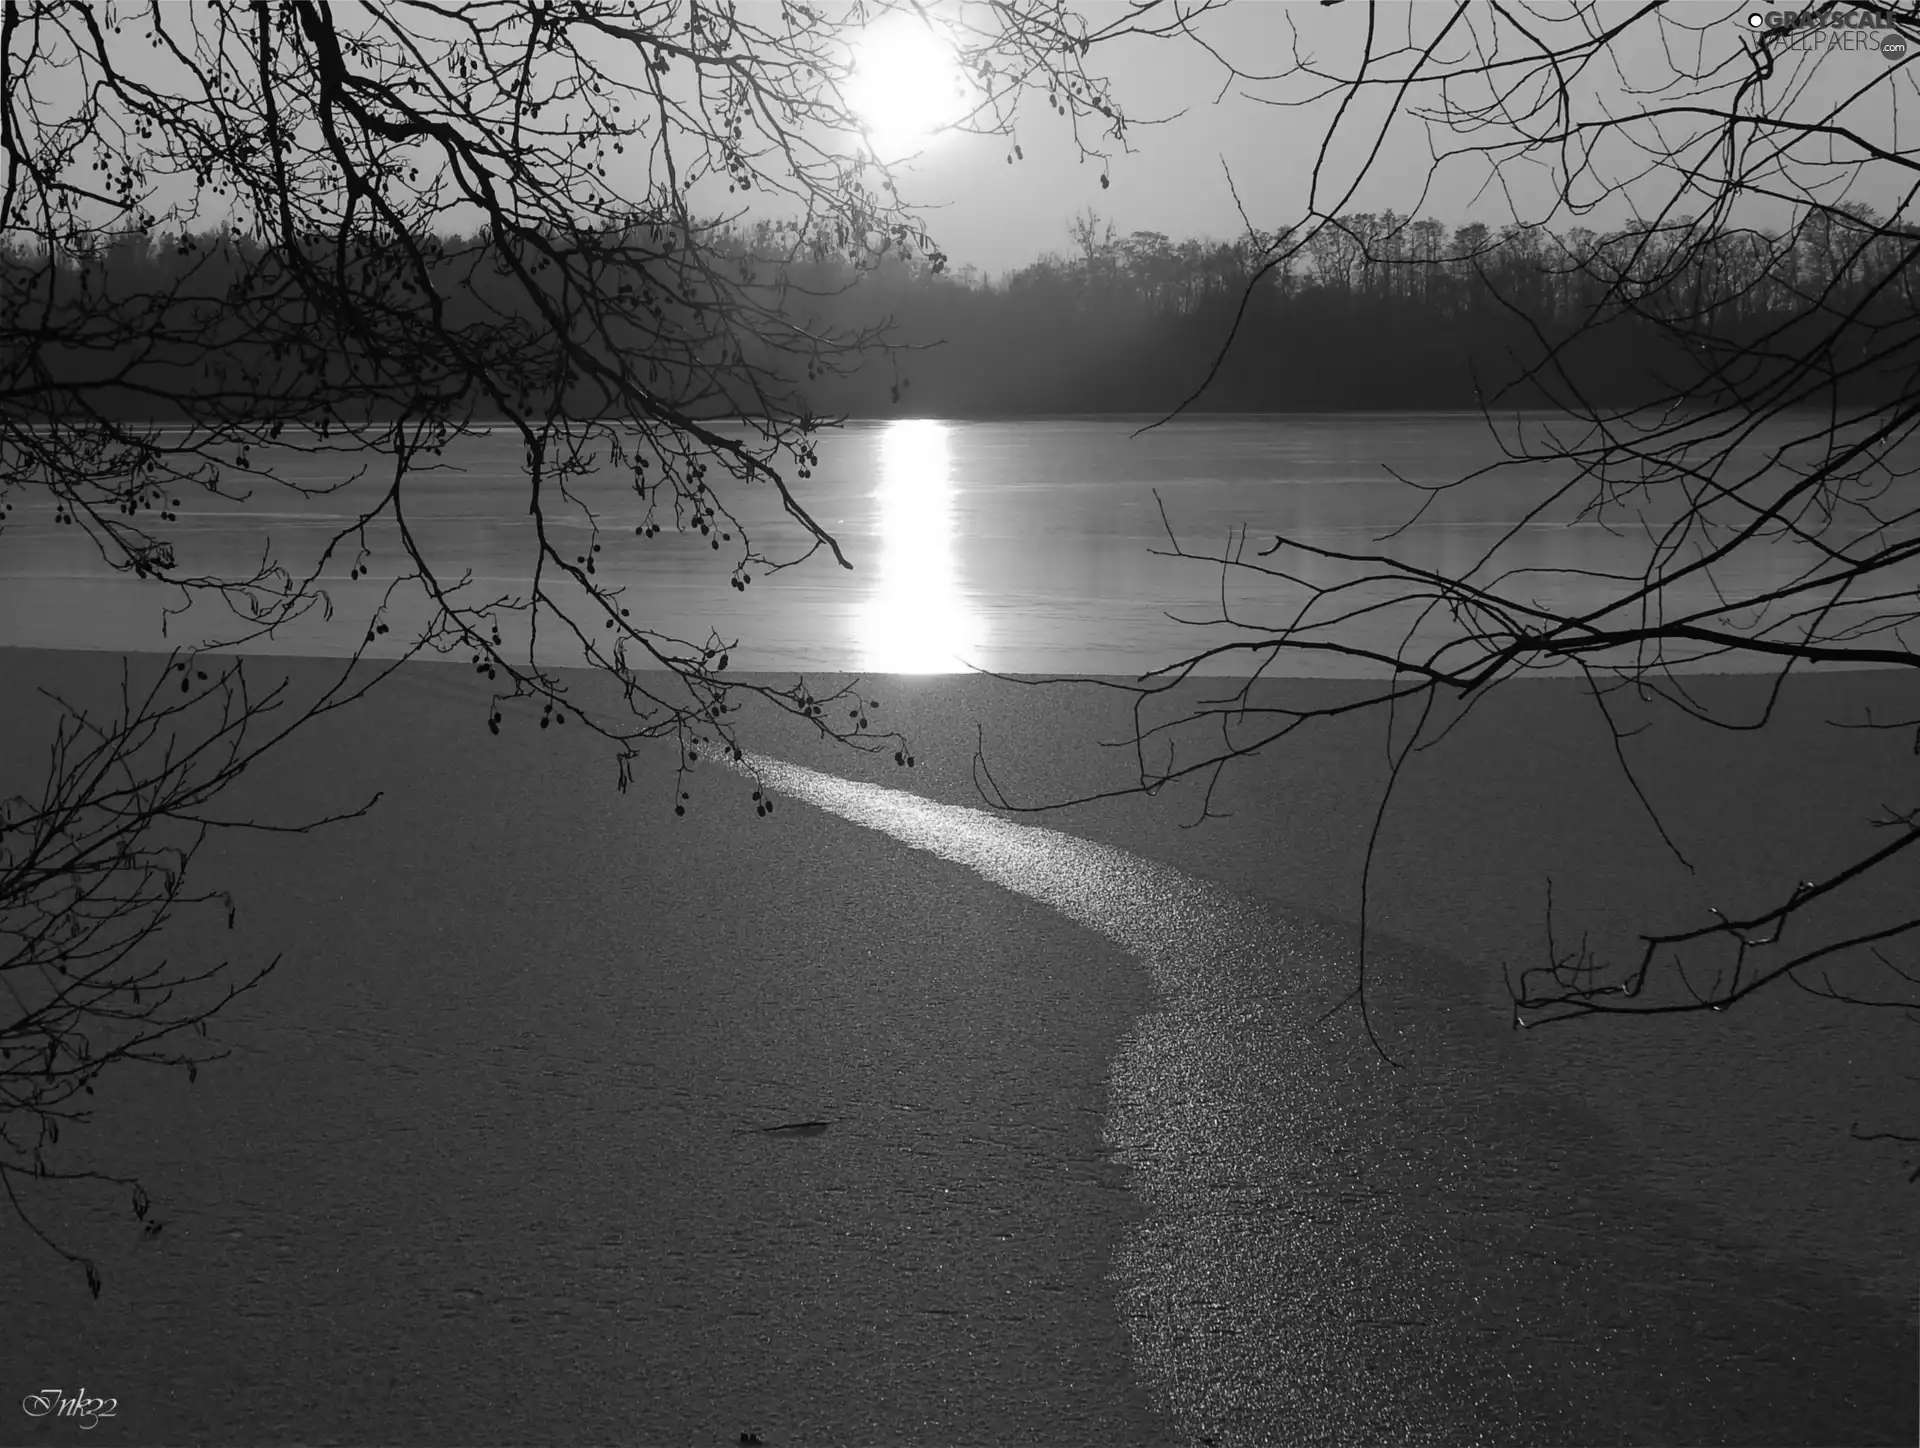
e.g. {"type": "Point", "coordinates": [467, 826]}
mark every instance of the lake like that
{"type": "Point", "coordinates": [1021, 547]}
{"type": "Point", "coordinates": [485, 1164]}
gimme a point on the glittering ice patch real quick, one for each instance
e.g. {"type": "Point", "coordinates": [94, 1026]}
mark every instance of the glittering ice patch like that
{"type": "Point", "coordinates": [1277, 1289]}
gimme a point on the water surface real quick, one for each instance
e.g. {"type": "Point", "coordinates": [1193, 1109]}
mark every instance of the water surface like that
{"type": "Point", "coordinates": [1022, 547]}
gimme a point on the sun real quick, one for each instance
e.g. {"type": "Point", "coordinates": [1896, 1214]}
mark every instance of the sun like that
{"type": "Point", "coordinates": [906, 85]}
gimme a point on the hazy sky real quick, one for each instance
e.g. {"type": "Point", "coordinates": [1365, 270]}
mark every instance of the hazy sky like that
{"type": "Point", "coordinates": [1175, 180]}
{"type": "Point", "coordinates": [997, 216]}
{"type": "Point", "coordinates": [1194, 122]}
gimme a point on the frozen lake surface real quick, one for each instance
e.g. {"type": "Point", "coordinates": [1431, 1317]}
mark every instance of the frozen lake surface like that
{"type": "Point", "coordinates": [483, 1166]}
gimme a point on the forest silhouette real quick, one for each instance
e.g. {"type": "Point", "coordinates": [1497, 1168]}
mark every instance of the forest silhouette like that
{"type": "Point", "coordinates": [1372, 311]}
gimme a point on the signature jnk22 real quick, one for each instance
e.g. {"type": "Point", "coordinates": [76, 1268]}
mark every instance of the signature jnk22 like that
{"type": "Point", "coordinates": [58, 1403]}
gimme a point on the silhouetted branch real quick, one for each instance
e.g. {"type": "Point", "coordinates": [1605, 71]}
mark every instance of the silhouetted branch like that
{"type": "Point", "coordinates": [1747, 489]}
{"type": "Point", "coordinates": [299, 256]}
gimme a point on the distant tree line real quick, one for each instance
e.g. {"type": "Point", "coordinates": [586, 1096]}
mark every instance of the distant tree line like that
{"type": "Point", "coordinates": [222, 320]}
{"type": "Point", "coordinates": [1384, 311]}
{"type": "Point", "coordinates": [1374, 311]}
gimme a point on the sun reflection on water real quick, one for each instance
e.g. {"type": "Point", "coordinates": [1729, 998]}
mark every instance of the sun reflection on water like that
{"type": "Point", "coordinates": [918, 621]}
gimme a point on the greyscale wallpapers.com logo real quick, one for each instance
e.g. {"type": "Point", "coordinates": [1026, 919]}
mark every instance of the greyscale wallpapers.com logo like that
{"type": "Point", "coordinates": [1836, 30]}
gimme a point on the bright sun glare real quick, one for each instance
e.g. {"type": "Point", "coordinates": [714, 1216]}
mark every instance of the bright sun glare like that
{"type": "Point", "coordinates": [905, 86]}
